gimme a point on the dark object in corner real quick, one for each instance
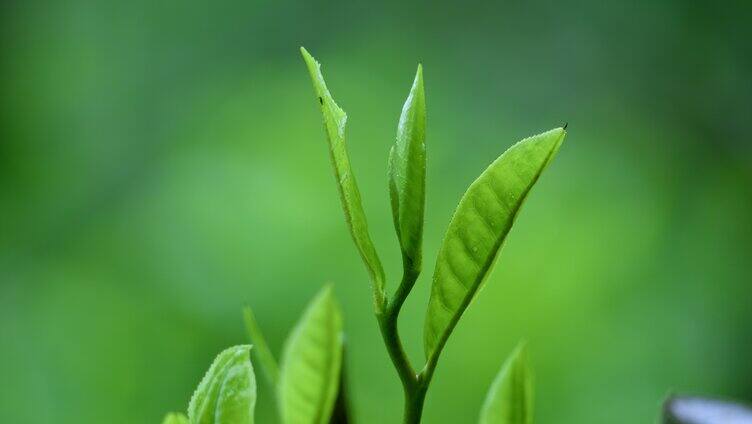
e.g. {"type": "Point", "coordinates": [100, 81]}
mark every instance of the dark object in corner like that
{"type": "Point", "coordinates": [697, 410]}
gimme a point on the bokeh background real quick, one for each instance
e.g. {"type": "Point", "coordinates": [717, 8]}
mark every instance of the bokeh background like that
{"type": "Point", "coordinates": [163, 163]}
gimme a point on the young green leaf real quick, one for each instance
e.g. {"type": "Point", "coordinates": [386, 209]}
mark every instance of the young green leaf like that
{"type": "Point", "coordinates": [262, 352]}
{"type": "Point", "coordinates": [477, 230]}
{"type": "Point", "coordinates": [334, 124]}
{"type": "Point", "coordinates": [227, 393]}
{"type": "Point", "coordinates": [510, 398]}
{"type": "Point", "coordinates": [175, 418]}
{"type": "Point", "coordinates": [407, 174]}
{"type": "Point", "coordinates": [311, 363]}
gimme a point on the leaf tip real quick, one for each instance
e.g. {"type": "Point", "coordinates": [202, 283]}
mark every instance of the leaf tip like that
{"type": "Point", "coordinates": [305, 53]}
{"type": "Point", "coordinates": [326, 296]}
{"type": "Point", "coordinates": [418, 83]}
{"type": "Point", "coordinates": [520, 355]}
{"type": "Point", "coordinates": [521, 350]}
{"type": "Point", "coordinates": [557, 139]}
{"type": "Point", "coordinates": [312, 64]}
{"type": "Point", "coordinates": [328, 289]}
{"type": "Point", "coordinates": [175, 418]}
{"type": "Point", "coordinates": [241, 349]}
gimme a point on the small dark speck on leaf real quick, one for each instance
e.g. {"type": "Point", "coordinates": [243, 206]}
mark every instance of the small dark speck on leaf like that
{"type": "Point", "coordinates": [565, 125]}
{"type": "Point", "coordinates": [321, 101]}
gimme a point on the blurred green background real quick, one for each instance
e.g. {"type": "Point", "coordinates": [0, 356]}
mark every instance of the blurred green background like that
{"type": "Point", "coordinates": [163, 164]}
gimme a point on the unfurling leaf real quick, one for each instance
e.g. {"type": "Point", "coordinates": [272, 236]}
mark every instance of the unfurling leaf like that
{"type": "Point", "coordinates": [510, 398]}
{"type": "Point", "coordinates": [407, 174]}
{"type": "Point", "coordinates": [477, 230]}
{"type": "Point", "coordinates": [334, 124]}
{"type": "Point", "coordinates": [696, 410]}
{"type": "Point", "coordinates": [175, 418]}
{"type": "Point", "coordinates": [311, 363]}
{"type": "Point", "coordinates": [227, 393]}
{"type": "Point", "coordinates": [261, 349]}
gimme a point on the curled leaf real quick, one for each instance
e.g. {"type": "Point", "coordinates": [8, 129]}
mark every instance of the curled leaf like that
{"type": "Point", "coordinates": [407, 174]}
{"type": "Point", "coordinates": [334, 123]}
{"type": "Point", "coordinates": [227, 393]}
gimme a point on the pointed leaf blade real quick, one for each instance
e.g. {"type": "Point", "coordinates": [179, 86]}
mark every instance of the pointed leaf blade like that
{"type": "Point", "coordinates": [227, 393]}
{"type": "Point", "coordinates": [407, 173]}
{"type": "Point", "coordinates": [334, 124]}
{"type": "Point", "coordinates": [311, 364]}
{"type": "Point", "coordinates": [477, 230]}
{"type": "Point", "coordinates": [175, 418]}
{"type": "Point", "coordinates": [261, 349]}
{"type": "Point", "coordinates": [510, 398]}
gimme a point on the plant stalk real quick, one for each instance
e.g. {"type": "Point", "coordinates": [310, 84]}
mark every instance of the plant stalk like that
{"type": "Point", "coordinates": [413, 385]}
{"type": "Point", "coordinates": [414, 405]}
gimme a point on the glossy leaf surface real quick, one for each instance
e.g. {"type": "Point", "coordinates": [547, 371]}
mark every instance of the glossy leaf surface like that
{"type": "Point", "coordinates": [477, 230]}
{"type": "Point", "coordinates": [311, 363]}
{"type": "Point", "coordinates": [334, 124]}
{"type": "Point", "coordinates": [227, 393]}
{"type": "Point", "coordinates": [510, 398]}
{"type": "Point", "coordinates": [407, 173]}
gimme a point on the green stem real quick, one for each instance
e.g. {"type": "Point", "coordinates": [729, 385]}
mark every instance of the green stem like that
{"type": "Point", "coordinates": [412, 383]}
{"type": "Point", "coordinates": [390, 334]}
{"type": "Point", "coordinates": [414, 405]}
